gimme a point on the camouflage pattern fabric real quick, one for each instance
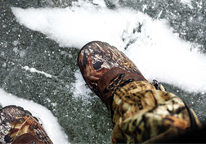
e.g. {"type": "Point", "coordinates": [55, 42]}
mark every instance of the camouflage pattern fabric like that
{"type": "Point", "coordinates": [19, 126]}
{"type": "Point", "coordinates": [142, 114]}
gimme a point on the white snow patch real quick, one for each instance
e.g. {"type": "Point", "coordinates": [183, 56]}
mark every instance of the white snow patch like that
{"type": "Point", "coordinates": [157, 52]}
{"type": "Point", "coordinates": [15, 43]}
{"type": "Point", "coordinates": [80, 87]}
{"type": "Point", "coordinates": [76, 26]}
{"type": "Point", "coordinates": [167, 58]}
{"type": "Point", "coordinates": [188, 3]}
{"type": "Point", "coordinates": [36, 71]}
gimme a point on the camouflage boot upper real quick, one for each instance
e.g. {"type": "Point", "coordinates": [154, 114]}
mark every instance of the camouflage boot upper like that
{"type": "Point", "coordinates": [18, 126]}
{"type": "Point", "coordinates": [106, 69]}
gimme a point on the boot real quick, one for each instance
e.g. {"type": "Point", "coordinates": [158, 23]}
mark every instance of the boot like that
{"type": "Point", "coordinates": [140, 111]}
{"type": "Point", "coordinates": [106, 69]}
{"type": "Point", "coordinates": [19, 126]}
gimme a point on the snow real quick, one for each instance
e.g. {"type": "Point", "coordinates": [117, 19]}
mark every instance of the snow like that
{"type": "Point", "coordinates": [47, 119]}
{"type": "Point", "coordinates": [157, 51]}
{"type": "Point", "coordinates": [36, 71]}
{"type": "Point", "coordinates": [187, 2]}
{"type": "Point", "coordinates": [80, 88]}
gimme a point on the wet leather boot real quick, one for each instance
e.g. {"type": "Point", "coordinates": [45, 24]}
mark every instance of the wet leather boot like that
{"type": "Point", "coordinates": [18, 126]}
{"type": "Point", "coordinates": [106, 69]}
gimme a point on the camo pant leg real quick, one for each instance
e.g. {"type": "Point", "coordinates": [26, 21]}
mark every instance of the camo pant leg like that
{"type": "Point", "coordinates": [145, 116]}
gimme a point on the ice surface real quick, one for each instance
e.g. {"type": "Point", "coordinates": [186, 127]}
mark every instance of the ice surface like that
{"type": "Point", "coordinates": [151, 44]}
{"type": "Point", "coordinates": [49, 122]}
{"type": "Point", "coordinates": [28, 56]}
{"type": "Point", "coordinates": [36, 71]}
{"type": "Point", "coordinates": [188, 2]}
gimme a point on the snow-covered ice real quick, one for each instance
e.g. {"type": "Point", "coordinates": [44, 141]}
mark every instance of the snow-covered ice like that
{"type": "Point", "coordinates": [36, 71]}
{"type": "Point", "coordinates": [47, 119]}
{"type": "Point", "coordinates": [155, 49]}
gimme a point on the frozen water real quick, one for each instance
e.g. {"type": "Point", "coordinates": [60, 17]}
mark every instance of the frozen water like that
{"type": "Point", "coordinates": [155, 49]}
{"type": "Point", "coordinates": [40, 42]}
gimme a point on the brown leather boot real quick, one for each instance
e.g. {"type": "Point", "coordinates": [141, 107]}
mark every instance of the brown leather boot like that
{"type": "Point", "coordinates": [106, 69]}
{"type": "Point", "coordinates": [19, 126]}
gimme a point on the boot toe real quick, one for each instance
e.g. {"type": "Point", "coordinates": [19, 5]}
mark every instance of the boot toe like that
{"type": "Point", "coordinates": [16, 123]}
{"type": "Point", "coordinates": [96, 58]}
